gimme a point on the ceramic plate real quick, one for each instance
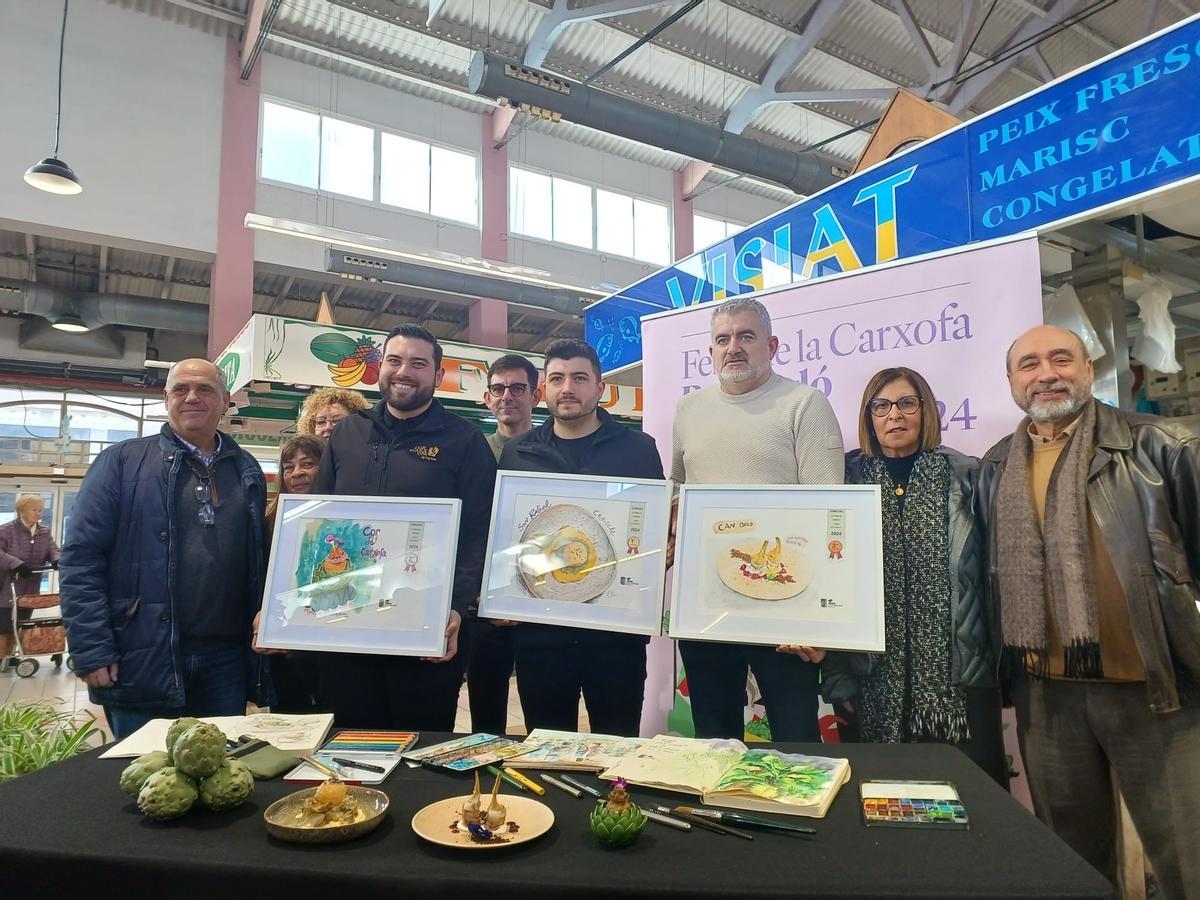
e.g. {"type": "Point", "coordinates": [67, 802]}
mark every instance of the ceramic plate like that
{"type": "Point", "coordinates": [437, 822]}
{"type": "Point", "coordinates": [280, 814]}
{"type": "Point", "coordinates": [566, 555]}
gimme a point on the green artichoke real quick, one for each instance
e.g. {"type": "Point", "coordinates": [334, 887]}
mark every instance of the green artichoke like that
{"type": "Point", "coordinates": [617, 821]}
{"type": "Point", "coordinates": [140, 769]}
{"type": "Point", "coordinates": [167, 794]}
{"type": "Point", "coordinates": [198, 752]}
{"type": "Point", "coordinates": [227, 787]}
{"type": "Point", "coordinates": [178, 727]}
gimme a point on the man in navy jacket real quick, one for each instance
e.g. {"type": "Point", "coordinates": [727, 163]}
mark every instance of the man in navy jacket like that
{"type": "Point", "coordinates": [556, 663]}
{"type": "Point", "coordinates": [162, 569]}
{"type": "Point", "coordinates": [408, 445]}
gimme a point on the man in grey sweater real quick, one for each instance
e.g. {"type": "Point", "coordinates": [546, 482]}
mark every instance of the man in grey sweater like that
{"type": "Point", "coordinates": [753, 427]}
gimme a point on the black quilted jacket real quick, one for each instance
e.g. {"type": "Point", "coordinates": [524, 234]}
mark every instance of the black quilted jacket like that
{"type": "Point", "coordinates": [975, 637]}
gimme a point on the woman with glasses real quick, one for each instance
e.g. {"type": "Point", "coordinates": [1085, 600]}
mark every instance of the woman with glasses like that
{"type": "Point", "coordinates": [936, 681]}
{"type": "Point", "coordinates": [327, 406]}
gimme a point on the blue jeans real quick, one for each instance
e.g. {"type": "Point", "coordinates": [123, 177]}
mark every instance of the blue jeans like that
{"type": "Point", "coordinates": [214, 684]}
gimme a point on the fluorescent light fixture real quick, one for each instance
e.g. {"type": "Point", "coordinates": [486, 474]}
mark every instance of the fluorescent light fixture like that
{"type": "Point", "coordinates": [353, 240]}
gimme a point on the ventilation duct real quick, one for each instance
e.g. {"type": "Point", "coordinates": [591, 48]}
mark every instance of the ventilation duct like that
{"type": "Point", "coordinates": [466, 284]}
{"type": "Point", "coordinates": [98, 310]}
{"type": "Point", "coordinates": [492, 77]}
{"type": "Point", "coordinates": [100, 343]}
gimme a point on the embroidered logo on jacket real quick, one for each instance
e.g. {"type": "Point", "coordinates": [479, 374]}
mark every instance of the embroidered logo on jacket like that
{"type": "Point", "coordinates": [426, 453]}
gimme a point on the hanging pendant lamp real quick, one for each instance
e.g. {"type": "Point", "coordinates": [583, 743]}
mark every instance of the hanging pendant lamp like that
{"type": "Point", "coordinates": [52, 174]}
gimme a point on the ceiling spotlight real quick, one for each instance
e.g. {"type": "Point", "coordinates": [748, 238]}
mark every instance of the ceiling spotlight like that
{"type": "Point", "coordinates": [52, 174]}
{"type": "Point", "coordinates": [71, 324]}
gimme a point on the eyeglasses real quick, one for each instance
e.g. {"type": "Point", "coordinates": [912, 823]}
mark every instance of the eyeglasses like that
{"type": "Point", "coordinates": [517, 390]}
{"type": "Point", "coordinates": [322, 421]}
{"type": "Point", "coordinates": [907, 405]}
{"type": "Point", "coordinates": [206, 513]}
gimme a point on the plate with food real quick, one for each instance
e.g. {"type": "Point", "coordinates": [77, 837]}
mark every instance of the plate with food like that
{"type": "Point", "coordinates": [566, 554]}
{"type": "Point", "coordinates": [477, 822]}
{"type": "Point", "coordinates": [331, 811]}
{"type": "Point", "coordinates": [769, 569]}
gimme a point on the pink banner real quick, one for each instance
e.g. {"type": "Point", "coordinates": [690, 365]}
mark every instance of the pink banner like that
{"type": "Point", "coordinates": [951, 317]}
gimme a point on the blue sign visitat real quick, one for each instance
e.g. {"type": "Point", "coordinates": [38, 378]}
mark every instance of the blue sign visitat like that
{"type": "Point", "coordinates": [1119, 128]}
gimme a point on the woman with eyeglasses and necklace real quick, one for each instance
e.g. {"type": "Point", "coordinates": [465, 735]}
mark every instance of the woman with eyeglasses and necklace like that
{"type": "Point", "coordinates": [327, 406]}
{"type": "Point", "coordinates": [936, 681]}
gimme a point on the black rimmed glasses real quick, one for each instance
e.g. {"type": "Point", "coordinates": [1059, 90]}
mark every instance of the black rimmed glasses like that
{"type": "Point", "coordinates": [206, 513]}
{"type": "Point", "coordinates": [517, 389]}
{"type": "Point", "coordinates": [908, 405]}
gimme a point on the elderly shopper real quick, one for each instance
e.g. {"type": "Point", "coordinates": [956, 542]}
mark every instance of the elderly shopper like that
{"type": "Point", "coordinates": [25, 544]}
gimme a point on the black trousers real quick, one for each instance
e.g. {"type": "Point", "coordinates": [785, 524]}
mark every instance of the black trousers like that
{"type": "Point", "coordinates": [489, 671]}
{"type": "Point", "coordinates": [390, 692]}
{"type": "Point", "coordinates": [716, 679]}
{"type": "Point", "coordinates": [985, 747]}
{"type": "Point", "coordinates": [611, 677]}
{"type": "Point", "coordinates": [296, 682]}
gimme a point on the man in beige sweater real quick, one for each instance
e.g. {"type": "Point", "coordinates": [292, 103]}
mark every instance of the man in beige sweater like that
{"type": "Point", "coordinates": [753, 427]}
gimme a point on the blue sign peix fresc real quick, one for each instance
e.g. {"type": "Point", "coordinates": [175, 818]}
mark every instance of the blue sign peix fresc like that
{"type": "Point", "coordinates": [1122, 127]}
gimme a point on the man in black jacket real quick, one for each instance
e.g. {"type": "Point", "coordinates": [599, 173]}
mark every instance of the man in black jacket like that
{"type": "Point", "coordinates": [408, 445]}
{"type": "Point", "coordinates": [557, 663]}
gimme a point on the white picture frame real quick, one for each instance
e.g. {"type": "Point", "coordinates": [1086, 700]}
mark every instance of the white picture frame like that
{"type": "Point", "coordinates": [779, 564]}
{"type": "Point", "coordinates": [617, 527]}
{"type": "Point", "coordinates": [386, 574]}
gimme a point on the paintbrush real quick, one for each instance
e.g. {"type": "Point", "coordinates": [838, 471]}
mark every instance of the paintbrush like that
{"type": "Point", "coordinates": [702, 822]}
{"type": "Point", "coordinates": [740, 819]}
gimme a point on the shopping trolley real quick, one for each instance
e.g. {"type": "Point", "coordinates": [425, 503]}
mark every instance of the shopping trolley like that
{"type": "Point", "coordinates": [37, 635]}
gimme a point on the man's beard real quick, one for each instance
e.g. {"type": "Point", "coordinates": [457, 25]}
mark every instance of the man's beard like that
{"type": "Point", "coordinates": [1057, 410]}
{"type": "Point", "coordinates": [581, 413]}
{"type": "Point", "coordinates": [419, 397]}
{"type": "Point", "coordinates": [740, 376]}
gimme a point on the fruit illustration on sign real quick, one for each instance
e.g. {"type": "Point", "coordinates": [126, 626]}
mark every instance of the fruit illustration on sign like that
{"type": "Point", "coordinates": [349, 360]}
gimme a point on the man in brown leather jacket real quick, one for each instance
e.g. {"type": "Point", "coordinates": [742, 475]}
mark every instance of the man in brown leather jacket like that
{"type": "Point", "coordinates": [1095, 546]}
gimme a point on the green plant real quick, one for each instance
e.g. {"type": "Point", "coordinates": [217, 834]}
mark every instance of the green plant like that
{"type": "Point", "coordinates": [33, 734]}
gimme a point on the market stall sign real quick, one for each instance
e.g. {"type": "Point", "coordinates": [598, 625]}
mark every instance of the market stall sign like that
{"type": "Point", "coordinates": [1122, 127]}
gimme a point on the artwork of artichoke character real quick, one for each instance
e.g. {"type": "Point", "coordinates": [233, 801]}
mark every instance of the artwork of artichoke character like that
{"type": "Point", "coordinates": [617, 821]}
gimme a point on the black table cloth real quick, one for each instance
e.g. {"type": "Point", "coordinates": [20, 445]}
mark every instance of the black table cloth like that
{"type": "Point", "coordinates": [68, 828]}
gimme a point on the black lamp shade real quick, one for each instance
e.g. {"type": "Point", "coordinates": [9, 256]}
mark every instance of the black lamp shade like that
{"type": "Point", "coordinates": [53, 175]}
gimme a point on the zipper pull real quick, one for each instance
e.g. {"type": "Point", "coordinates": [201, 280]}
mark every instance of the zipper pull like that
{"type": "Point", "coordinates": [375, 451]}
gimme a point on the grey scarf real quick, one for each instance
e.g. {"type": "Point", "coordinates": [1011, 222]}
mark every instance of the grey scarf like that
{"type": "Point", "coordinates": [909, 694]}
{"type": "Point", "coordinates": [1027, 584]}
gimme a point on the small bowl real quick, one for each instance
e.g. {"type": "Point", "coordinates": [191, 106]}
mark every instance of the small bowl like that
{"type": "Point", "coordinates": [278, 815]}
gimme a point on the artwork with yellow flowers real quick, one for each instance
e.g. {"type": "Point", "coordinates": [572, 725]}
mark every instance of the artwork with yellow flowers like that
{"type": "Point", "coordinates": [361, 574]}
{"type": "Point", "coordinates": [779, 564]}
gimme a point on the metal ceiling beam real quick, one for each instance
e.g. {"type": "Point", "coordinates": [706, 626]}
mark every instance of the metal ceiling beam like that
{"type": "Point", "coordinates": [962, 96]}
{"type": "Point", "coordinates": [1097, 233]}
{"type": "Point", "coordinates": [794, 49]}
{"type": "Point", "coordinates": [259, 19]}
{"type": "Point", "coordinates": [168, 275]}
{"type": "Point", "coordinates": [559, 18]}
{"type": "Point", "coordinates": [31, 256]}
{"type": "Point", "coordinates": [920, 41]}
{"type": "Point", "coordinates": [282, 295]}
{"type": "Point", "coordinates": [102, 270]}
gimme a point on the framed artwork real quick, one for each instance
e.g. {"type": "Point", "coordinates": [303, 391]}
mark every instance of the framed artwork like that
{"type": "Point", "coordinates": [779, 564]}
{"type": "Point", "coordinates": [577, 550]}
{"type": "Point", "coordinates": [360, 575]}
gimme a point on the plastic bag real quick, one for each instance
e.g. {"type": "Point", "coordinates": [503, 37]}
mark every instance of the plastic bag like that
{"type": "Point", "coordinates": [1062, 308]}
{"type": "Point", "coordinates": [1155, 346]}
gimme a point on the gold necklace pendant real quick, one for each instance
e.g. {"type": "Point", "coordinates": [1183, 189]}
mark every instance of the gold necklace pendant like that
{"type": "Point", "coordinates": [899, 490]}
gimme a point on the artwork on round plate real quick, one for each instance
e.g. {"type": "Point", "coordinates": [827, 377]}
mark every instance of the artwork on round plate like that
{"type": "Point", "coordinates": [577, 550]}
{"type": "Point", "coordinates": [566, 554]}
{"type": "Point", "coordinates": [770, 570]}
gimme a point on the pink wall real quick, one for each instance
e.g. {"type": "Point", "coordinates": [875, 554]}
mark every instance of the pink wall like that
{"type": "Point", "coordinates": [231, 297]}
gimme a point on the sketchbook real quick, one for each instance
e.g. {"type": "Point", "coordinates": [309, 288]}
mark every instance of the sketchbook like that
{"type": "Point", "coordinates": [728, 774]}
